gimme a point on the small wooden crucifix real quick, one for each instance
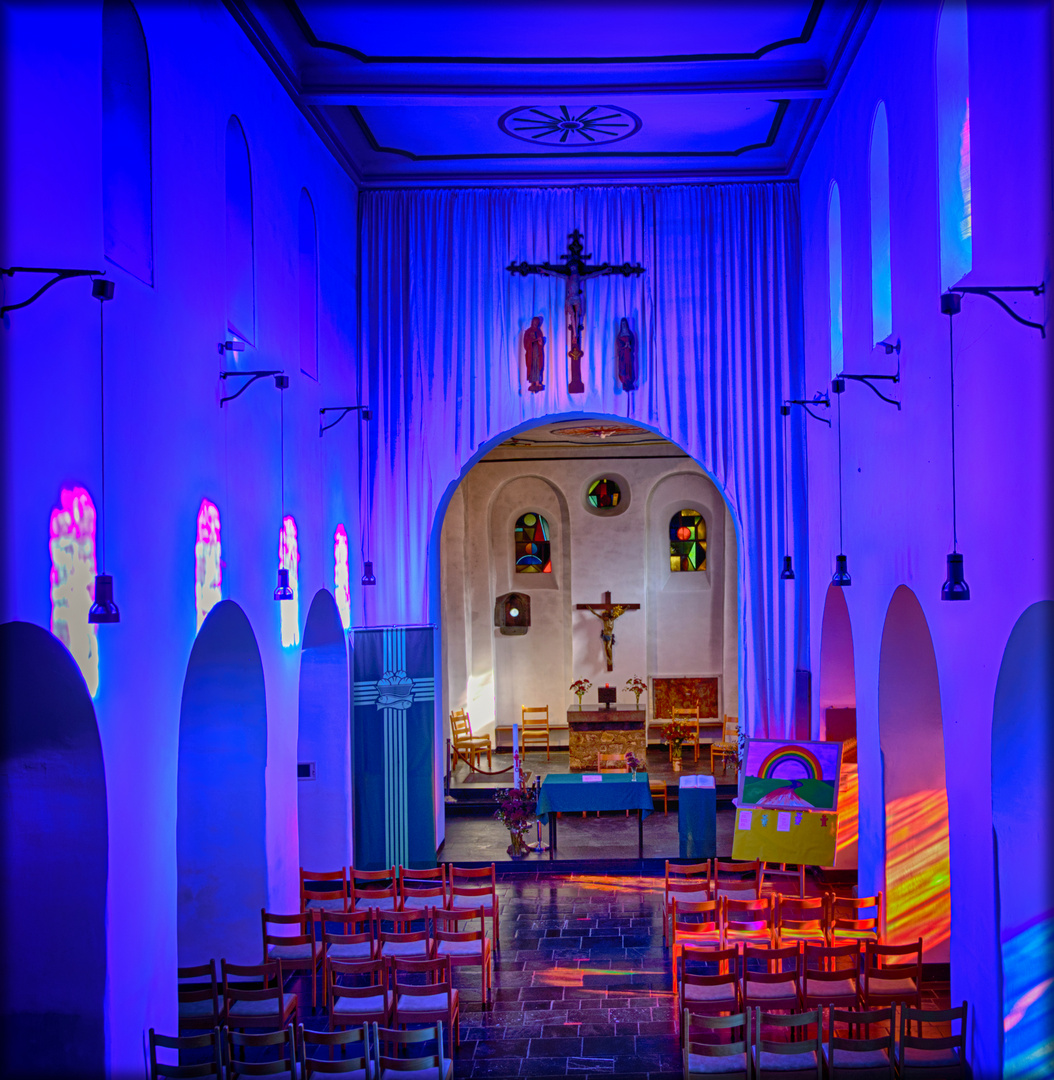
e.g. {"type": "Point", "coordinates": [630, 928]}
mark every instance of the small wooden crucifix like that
{"type": "Point", "coordinates": [574, 269]}
{"type": "Point", "coordinates": [607, 613]}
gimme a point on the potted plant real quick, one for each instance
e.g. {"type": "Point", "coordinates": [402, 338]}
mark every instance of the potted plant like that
{"type": "Point", "coordinates": [637, 685]}
{"type": "Point", "coordinates": [580, 686]}
{"type": "Point", "coordinates": [676, 733]}
{"type": "Point", "coordinates": [516, 811]}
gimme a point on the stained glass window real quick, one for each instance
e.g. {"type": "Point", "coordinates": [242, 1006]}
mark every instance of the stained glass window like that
{"type": "Point", "coordinates": [208, 563]}
{"type": "Point", "coordinates": [532, 545]}
{"type": "Point", "coordinates": [72, 547]}
{"type": "Point", "coordinates": [604, 493]}
{"type": "Point", "coordinates": [687, 541]}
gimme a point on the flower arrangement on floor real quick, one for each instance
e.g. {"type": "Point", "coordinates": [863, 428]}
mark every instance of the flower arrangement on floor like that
{"type": "Point", "coordinates": [637, 686]}
{"type": "Point", "coordinates": [633, 763]}
{"type": "Point", "coordinates": [580, 686]}
{"type": "Point", "coordinates": [676, 733]}
{"type": "Point", "coordinates": [516, 811]}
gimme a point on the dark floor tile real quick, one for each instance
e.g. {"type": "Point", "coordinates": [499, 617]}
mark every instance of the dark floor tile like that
{"type": "Point", "coordinates": [502, 1048]}
{"type": "Point", "coordinates": [488, 1067]}
{"type": "Point", "coordinates": [563, 1047]}
{"type": "Point", "coordinates": [543, 1067]}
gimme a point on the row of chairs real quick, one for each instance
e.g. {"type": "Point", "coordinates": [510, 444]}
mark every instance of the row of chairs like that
{"type": "Point", "coordinates": [753, 1057]}
{"type": "Point", "coordinates": [355, 945]}
{"type": "Point", "coordinates": [797, 977]}
{"type": "Point", "coordinates": [297, 1053]}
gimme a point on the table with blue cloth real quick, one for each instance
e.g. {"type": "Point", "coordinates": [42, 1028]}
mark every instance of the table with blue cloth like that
{"type": "Point", "coordinates": [612, 791]}
{"type": "Point", "coordinates": [697, 817]}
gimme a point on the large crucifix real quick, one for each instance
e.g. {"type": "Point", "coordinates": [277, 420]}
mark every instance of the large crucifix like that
{"type": "Point", "coordinates": [607, 613]}
{"type": "Point", "coordinates": [576, 272]}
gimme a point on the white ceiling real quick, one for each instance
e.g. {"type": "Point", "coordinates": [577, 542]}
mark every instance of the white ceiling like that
{"type": "Point", "coordinates": [542, 92]}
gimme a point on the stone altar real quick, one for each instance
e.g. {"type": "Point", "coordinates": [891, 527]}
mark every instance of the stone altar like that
{"type": "Point", "coordinates": [609, 731]}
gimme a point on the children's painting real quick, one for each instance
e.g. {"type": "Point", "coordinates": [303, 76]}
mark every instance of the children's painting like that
{"type": "Point", "coordinates": [790, 775]}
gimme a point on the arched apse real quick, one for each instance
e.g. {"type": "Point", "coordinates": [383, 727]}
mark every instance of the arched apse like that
{"type": "Point", "coordinates": [1021, 814]}
{"type": "Point", "coordinates": [917, 868]}
{"type": "Point", "coordinates": [221, 854]}
{"type": "Point", "coordinates": [54, 829]}
{"type": "Point", "coordinates": [837, 720]}
{"type": "Point", "coordinates": [324, 740]}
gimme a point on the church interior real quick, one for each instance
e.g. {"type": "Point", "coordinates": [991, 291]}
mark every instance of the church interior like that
{"type": "Point", "coordinates": [375, 374]}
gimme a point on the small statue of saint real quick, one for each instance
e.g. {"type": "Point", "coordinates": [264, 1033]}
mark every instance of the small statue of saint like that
{"type": "Point", "coordinates": [626, 349]}
{"type": "Point", "coordinates": [534, 354]}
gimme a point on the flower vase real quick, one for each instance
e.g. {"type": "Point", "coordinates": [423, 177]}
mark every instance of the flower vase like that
{"type": "Point", "coordinates": [518, 849]}
{"type": "Point", "coordinates": [637, 703]}
{"type": "Point", "coordinates": [580, 696]}
{"type": "Point", "coordinates": [633, 774]}
{"type": "Point", "coordinates": [677, 753]}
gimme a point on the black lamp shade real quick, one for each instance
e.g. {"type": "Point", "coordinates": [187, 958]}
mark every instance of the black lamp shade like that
{"type": "Point", "coordinates": [367, 573]}
{"type": "Point", "coordinates": [283, 592]}
{"type": "Point", "coordinates": [104, 610]}
{"type": "Point", "coordinates": [841, 572]}
{"type": "Point", "coordinates": [955, 588]}
{"type": "Point", "coordinates": [787, 573]}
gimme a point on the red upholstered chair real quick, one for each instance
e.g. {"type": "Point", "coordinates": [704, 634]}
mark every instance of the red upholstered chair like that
{"type": "Point", "coordinates": [712, 1056]}
{"type": "Point", "coordinates": [707, 980]}
{"type": "Point", "coordinates": [752, 921]}
{"type": "Point", "coordinates": [689, 882]}
{"type": "Point", "coordinates": [425, 1002]}
{"type": "Point", "coordinates": [700, 923]}
{"type": "Point", "coordinates": [920, 1056]}
{"type": "Point", "coordinates": [254, 996]}
{"type": "Point", "coordinates": [358, 992]}
{"type": "Point", "coordinates": [261, 1055]}
{"type": "Point", "coordinates": [373, 888]}
{"type": "Point", "coordinates": [800, 919]}
{"type": "Point", "coordinates": [737, 880]}
{"type": "Point", "coordinates": [348, 936]}
{"type": "Point", "coordinates": [353, 1057]}
{"type": "Point", "coordinates": [395, 1053]}
{"type": "Point", "coordinates": [892, 975]}
{"type": "Point", "coordinates": [187, 1044]}
{"type": "Point", "coordinates": [421, 889]}
{"type": "Point", "coordinates": [324, 890]}
{"type": "Point", "coordinates": [796, 1055]}
{"type": "Point", "coordinates": [860, 919]}
{"type": "Point", "coordinates": [200, 1005]}
{"type": "Point", "coordinates": [861, 1058]}
{"type": "Point", "coordinates": [291, 939]}
{"type": "Point", "coordinates": [771, 978]}
{"type": "Point", "coordinates": [830, 977]}
{"type": "Point", "coordinates": [471, 886]}
{"type": "Point", "coordinates": [402, 939]}
{"type": "Point", "coordinates": [469, 946]}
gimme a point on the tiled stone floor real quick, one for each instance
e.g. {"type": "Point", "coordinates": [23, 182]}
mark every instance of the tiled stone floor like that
{"type": "Point", "coordinates": [582, 984]}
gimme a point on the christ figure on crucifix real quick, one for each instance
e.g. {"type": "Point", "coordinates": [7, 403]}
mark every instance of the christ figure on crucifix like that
{"type": "Point", "coordinates": [607, 613]}
{"type": "Point", "coordinates": [575, 272]}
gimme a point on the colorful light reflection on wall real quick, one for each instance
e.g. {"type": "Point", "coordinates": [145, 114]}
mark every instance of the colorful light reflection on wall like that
{"type": "Point", "coordinates": [341, 576]}
{"type": "Point", "coordinates": [72, 546]}
{"type": "Point", "coordinates": [289, 559]}
{"type": "Point", "coordinates": [918, 874]}
{"type": "Point", "coordinates": [208, 567]}
{"type": "Point", "coordinates": [1028, 1002]}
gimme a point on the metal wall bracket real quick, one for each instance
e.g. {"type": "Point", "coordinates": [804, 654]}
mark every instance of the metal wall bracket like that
{"type": "Point", "coordinates": [59, 273]}
{"type": "Point", "coordinates": [343, 410]}
{"type": "Point", "coordinates": [991, 290]}
{"type": "Point", "coordinates": [838, 382]}
{"type": "Point", "coordinates": [252, 376]}
{"type": "Point", "coordinates": [818, 399]}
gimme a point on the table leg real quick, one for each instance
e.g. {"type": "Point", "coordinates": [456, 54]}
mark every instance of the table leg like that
{"type": "Point", "coordinates": [552, 833]}
{"type": "Point", "coordinates": [640, 834]}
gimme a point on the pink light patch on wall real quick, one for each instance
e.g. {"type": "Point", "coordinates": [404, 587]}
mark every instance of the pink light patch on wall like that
{"type": "Point", "coordinates": [72, 546]}
{"type": "Point", "coordinates": [289, 559]}
{"type": "Point", "coordinates": [208, 568]}
{"type": "Point", "coordinates": [341, 576]}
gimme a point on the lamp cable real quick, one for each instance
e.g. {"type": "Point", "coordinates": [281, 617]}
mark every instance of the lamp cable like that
{"type": "Point", "coordinates": [951, 367]}
{"type": "Point", "coordinates": [102, 439]}
{"type": "Point", "coordinates": [841, 546]}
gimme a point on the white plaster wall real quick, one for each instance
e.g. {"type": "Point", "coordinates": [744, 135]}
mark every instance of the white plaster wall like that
{"type": "Point", "coordinates": [686, 623]}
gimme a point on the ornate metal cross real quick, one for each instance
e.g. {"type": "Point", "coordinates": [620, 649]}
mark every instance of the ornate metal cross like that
{"type": "Point", "coordinates": [575, 271]}
{"type": "Point", "coordinates": [607, 613]}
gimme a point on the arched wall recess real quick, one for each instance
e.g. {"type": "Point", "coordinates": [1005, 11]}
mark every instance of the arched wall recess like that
{"type": "Point", "coordinates": [54, 819]}
{"type": "Point", "coordinates": [221, 852]}
{"type": "Point", "coordinates": [324, 740]}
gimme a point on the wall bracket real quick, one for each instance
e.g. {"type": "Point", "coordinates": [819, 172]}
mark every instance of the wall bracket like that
{"type": "Point", "coordinates": [991, 290]}
{"type": "Point", "coordinates": [252, 376]}
{"type": "Point", "coordinates": [343, 410]}
{"type": "Point", "coordinates": [838, 382]}
{"type": "Point", "coordinates": [59, 273]}
{"type": "Point", "coordinates": [819, 399]}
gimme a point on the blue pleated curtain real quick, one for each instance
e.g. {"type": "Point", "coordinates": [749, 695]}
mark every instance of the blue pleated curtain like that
{"type": "Point", "coordinates": [717, 320]}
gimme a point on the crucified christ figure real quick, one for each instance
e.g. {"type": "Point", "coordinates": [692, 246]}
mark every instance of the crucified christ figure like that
{"type": "Point", "coordinates": [607, 613]}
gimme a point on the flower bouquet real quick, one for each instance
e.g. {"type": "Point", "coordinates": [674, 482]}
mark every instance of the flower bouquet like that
{"type": "Point", "coordinates": [516, 811]}
{"type": "Point", "coordinates": [633, 763]}
{"type": "Point", "coordinates": [676, 733]}
{"type": "Point", "coordinates": [637, 685]}
{"type": "Point", "coordinates": [580, 686]}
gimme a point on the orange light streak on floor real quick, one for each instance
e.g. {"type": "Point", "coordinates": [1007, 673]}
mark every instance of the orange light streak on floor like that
{"type": "Point", "coordinates": [918, 874]}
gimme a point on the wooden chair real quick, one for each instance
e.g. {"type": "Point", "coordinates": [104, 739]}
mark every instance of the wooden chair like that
{"type": "Point", "coordinates": [473, 886]}
{"type": "Point", "coordinates": [352, 939]}
{"type": "Point", "coordinates": [403, 940]}
{"type": "Point", "coordinates": [689, 717]}
{"type": "Point", "coordinates": [463, 744]}
{"type": "Point", "coordinates": [700, 993]}
{"type": "Point", "coordinates": [423, 1003]}
{"type": "Point", "coordinates": [892, 974]}
{"type": "Point", "coordinates": [184, 1044]}
{"type": "Point", "coordinates": [421, 889]}
{"type": "Point", "coordinates": [727, 747]}
{"type": "Point", "coordinates": [698, 923]}
{"type": "Point", "coordinates": [373, 889]}
{"type": "Point", "coordinates": [613, 763]}
{"type": "Point", "coordinates": [920, 1056]}
{"type": "Point", "coordinates": [775, 981]}
{"type": "Point", "coordinates": [859, 919]}
{"type": "Point", "coordinates": [353, 1061]}
{"type": "Point", "coordinates": [390, 1046]}
{"type": "Point", "coordinates": [860, 1059]}
{"type": "Point", "coordinates": [254, 996]}
{"type": "Point", "coordinates": [730, 1060]}
{"type": "Point", "coordinates": [534, 727]}
{"type": "Point", "coordinates": [324, 890]}
{"type": "Point", "coordinates": [830, 977]}
{"type": "Point", "coordinates": [199, 1001]}
{"type": "Point", "coordinates": [297, 951]}
{"type": "Point", "coordinates": [801, 1058]}
{"type": "Point", "coordinates": [658, 791]}
{"type": "Point", "coordinates": [261, 1062]}
{"type": "Point", "coordinates": [770, 870]}
{"type": "Point", "coordinates": [751, 921]}
{"type": "Point", "coordinates": [737, 880]}
{"type": "Point", "coordinates": [689, 882]}
{"type": "Point", "coordinates": [463, 947]}
{"type": "Point", "coordinates": [802, 920]}
{"type": "Point", "coordinates": [365, 1000]}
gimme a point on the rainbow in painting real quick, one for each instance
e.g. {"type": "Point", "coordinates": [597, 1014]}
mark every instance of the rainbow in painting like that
{"type": "Point", "coordinates": [791, 775]}
{"type": "Point", "coordinates": [341, 576]}
{"type": "Point", "coordinates": [289, 559]}
{"type": "Point", "coordinates": [208, 567]}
